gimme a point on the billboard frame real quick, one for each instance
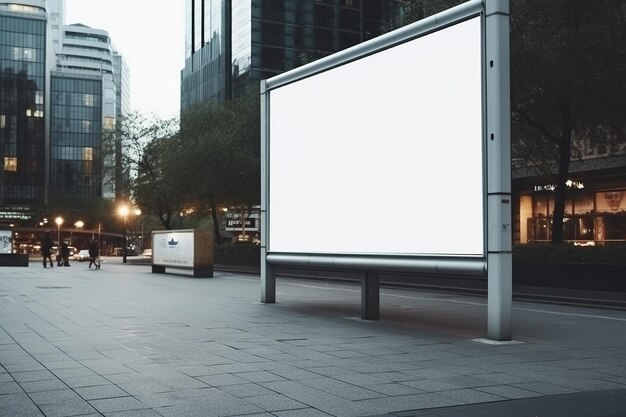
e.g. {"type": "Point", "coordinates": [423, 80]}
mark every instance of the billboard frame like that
{"type": "Point", "coordinates": [496, 263]}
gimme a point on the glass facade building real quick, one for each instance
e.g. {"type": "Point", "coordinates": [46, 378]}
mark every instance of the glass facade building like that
{"type": "Point", "coordinates": [232, 43]}
{"type": "Point", "coordinates": [75, 135]}
{"type": "Point", "coordinates": [22, 109]}
{"type": "Point", "coordinates": [61, 87]}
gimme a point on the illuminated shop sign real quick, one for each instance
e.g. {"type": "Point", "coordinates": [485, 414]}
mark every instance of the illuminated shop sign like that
{"type": "Point", "coordinates": [237, 223]}
{"type": "Point", "coordinates": [552, 187]}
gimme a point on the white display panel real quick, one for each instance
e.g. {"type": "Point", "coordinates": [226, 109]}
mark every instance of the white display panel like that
{"type": "Point", "coordinates": [174, 248]}
{"type": "Point", "coordinates": [382, 155]}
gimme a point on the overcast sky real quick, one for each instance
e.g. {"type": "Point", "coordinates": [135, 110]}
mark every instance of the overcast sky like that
{"type": "Point", "coordinates": [150, 36]}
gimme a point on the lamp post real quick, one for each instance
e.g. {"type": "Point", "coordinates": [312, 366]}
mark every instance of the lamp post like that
{"type": "Point", "coordinates": [123, 212]}
{"type": "Point", "coordinates": [59, 222]}
{"type": "Point", "coordinates": [79, 225]}
{"type": "Point", "coordinates": [137, 212]}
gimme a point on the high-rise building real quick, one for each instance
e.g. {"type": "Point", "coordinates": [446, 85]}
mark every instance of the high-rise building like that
{"type": "Point", "coordinates": [62, 89]}
{"type": "Point", "coordinates": [231, 43]}
{"type": "Point", "coordinates": [23, 102]}
{"type": "Point", "coordinates": [87, 53]}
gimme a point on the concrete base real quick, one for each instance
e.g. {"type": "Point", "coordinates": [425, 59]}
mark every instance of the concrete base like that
{"type": "Point", "coordinates": [13, 259]}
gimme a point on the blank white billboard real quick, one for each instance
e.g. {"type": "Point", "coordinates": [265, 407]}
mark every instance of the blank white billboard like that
{"type": "Point", "coordinates": [384, 154]}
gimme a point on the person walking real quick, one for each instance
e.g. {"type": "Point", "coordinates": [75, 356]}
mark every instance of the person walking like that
{"type": "Point", "coordinates": [46, 248]}
{"type": "Point", "coordinates": [94, 254]}
{"type": "Point", "coordinates": [65, 254]}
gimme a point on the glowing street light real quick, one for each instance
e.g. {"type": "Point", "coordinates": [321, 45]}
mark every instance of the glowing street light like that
{"type": "Point", "coordinates": [79, 225]}
{"type": "Point", "coordinates": [59, 222]}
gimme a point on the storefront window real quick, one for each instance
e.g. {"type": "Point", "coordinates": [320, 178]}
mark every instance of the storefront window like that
{"type": "Point", "coordinates": [611, 201]}
{"type": "Point", "coordinates": [584, 203]}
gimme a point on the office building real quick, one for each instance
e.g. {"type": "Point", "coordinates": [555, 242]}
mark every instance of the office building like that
{"type": "Point", "coordinates": [22, 108]}
{"type": "Point", "coordinates": [63, 88]}
{"type": "Point", "coordinates": [232, 43]}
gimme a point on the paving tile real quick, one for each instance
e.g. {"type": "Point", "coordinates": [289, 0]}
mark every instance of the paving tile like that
{"type": "Point", "coordinates": [27, 376]}
{"type": "Point", "coordinates": [30, 365]}
{"type": "Point", "coordinates": [275, 402]}
{"type": "Point", "coordinates": [55, 397]}
{"type": "Point", "coordinates": [48, 385]}
{"type": "Point", "coordinates": [18, 405]}
{"type": "Point", "coordinates": [508, 392]}
{"type": "Point", "coordinates": [72, 372]}
{"type": "Point", "coordinates": [260, 376]}
{"type": "Point", "coordinates": [68, 409]}
{"type": "Point", "coordinates": [245, 390]}
{"type": "Point", "coordinates": [85, 381]}
{"type": "Point", "coordinates": [6, 377]}
{"type": "Point", "coordinates": [305, 412]}
{"type": "Point", "coordinates": [215, 403]}
{"type": "Point", "coordinates": [395, 390]}
{"type": "Point", "coordinates": [134, 413]}
{"type": "Point", "coordinates": [100, 392]}
{"type": "Point", "coordinates": [469, 396]}
{"type": "Point", "coordinates": [222, 379]}
{"type": "Point", "coordinates": [341, 389]}
{"type": "Point", "coordinates": [431, 385]}
{"type": "Point", "coordinates": [108, 405]}
{"type": "Point", "coordinates": [10, 388]}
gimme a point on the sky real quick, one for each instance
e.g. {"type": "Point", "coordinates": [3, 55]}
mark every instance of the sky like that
{"type": "Point", "coordinates": [150, 36]}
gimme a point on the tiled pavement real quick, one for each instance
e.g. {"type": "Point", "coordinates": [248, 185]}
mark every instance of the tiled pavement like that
{"type": "Point", "coordinates": [125, 342]}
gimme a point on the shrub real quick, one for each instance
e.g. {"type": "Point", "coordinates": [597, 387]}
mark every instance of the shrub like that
{"type": "Point", "coordinates": [249, 248]}
{"type": "Point", "coordinates": [550, 252]}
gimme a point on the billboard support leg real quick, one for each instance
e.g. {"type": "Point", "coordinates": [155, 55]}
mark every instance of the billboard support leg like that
{"type": "Point", "coordinates": [370, 296]}
{"type": "Point", "coordinates": [499, 202]}
{"type": "Point", "coordinates": [268, 279]}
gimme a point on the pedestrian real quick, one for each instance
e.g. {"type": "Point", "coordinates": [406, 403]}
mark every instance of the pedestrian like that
{"type": "Point", "coordinates": [94, 254]}
{"type": "Point", "coordinates": [65, 254]}
{"type": "Point", "coordinates": [46, 248]}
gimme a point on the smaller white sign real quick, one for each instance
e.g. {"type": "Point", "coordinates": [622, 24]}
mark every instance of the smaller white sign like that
{"type": "Point", "coordinates": [174, 248]}
{"type": "Point", "coordinates": [6, 241]}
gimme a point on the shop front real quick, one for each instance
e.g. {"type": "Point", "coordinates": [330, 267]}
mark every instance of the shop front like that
{"type": "Point", "coordinates": [595, 208]}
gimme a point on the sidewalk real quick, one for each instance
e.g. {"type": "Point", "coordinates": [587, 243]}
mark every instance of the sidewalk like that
{"type": "Point", "coordinates": [125, 342]}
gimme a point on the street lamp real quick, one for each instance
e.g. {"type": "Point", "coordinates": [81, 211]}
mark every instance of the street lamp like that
{"type": "Point", "coordinates": [59, 222]}
{"type": "Point", "coordinates": [79, 225]}
{"type": "Point", "coordinates": [123, 211]}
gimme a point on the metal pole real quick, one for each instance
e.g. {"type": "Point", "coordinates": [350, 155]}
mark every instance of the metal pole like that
{"type": "Point", "coordinates": [124, 248]}
{"type": "Point", "coordinates": [499, 241]}
{"type": "Point", "coordinates": [268, 273]}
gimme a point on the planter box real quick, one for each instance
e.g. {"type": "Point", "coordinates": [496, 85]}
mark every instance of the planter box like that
{"type": "Point", "coordinates": [238, 259]}
{"type": "Point", "coordinates": [575, 276]}
{"type": "Point", "coordinates": [13, 259]}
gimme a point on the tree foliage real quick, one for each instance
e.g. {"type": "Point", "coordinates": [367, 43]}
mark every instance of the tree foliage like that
{"type": "Point", "coordinates": [219, 144]}
{"type": "Point", "coordinates": [146, 146]}
{"type": "Point", "coordinates": [568, 80]}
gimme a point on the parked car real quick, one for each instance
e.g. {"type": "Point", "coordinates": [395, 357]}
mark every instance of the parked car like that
{"type": "Point", "coordinates": [82, 255]}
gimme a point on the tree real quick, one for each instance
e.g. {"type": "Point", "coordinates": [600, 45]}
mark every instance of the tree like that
{"type": "Point", "coordinates": [146, 144]}
{"type": "Point", "coordinates": [568, 80]}
{"type": "Point", "coordinates": [220, 146]}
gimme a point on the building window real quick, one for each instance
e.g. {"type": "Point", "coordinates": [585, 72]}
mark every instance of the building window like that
{"type": "Point", "coordinates": [3, 121]}
{"type": "Point", "coordinates": [39, 97]}
{"type": "Point", "coordinates": [88, 154]}
{"type": "Point", "coordinates": [23, 54]}
{"type": "Point", "coordinates": [88, 100]}
{"type": "Point", "coordinates": [10, 164]}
